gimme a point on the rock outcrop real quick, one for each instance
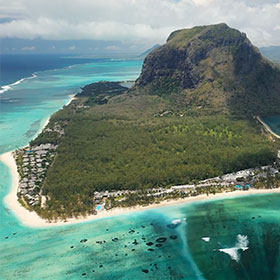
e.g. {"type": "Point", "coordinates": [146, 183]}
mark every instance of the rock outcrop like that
{"type": "Point", "coordinates": [214, 67]}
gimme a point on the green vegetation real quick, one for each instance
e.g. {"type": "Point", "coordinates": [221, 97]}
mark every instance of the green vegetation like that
{"type": "Point", "coordinates": [209, 33]}
{"type": "Point", "coordinates": [100, 93]}
{"type": "Point", "coordinates": [130, 144]}
{"type": "Point", "coordinates": [188, 117]}
{"type": "Point", "coordinates": [269, 182]}
{"type": "Point", "coordinates": [214, 69]}
{"type": "Point", "coordinates": [144, 198]}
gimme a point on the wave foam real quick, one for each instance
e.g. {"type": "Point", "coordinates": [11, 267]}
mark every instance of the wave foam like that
{"type": "Point", "coordinates": [4, 88]}
{"type": "Point", "coordinates": [206, 239]}
{"type": "Point", "coordinates": [8, 87]}
{"type": "Point", "coordinates": [176, 221]}
{"type": "Point", "coordinates": [242, 243]}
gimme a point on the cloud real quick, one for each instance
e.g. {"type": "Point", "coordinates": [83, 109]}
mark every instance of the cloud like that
{"type": "Point", "coordinates": [135, 20]}
{"type": "Point", "coordinates": [62, 30]}
{"type": "Point", "coordinates": [32, 48]}
{"type": "Point", "coordinates": [203, 2]}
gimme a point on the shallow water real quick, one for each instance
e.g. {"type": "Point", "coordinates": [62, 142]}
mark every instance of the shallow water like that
{"type": "Point", "coordinates": [273, 122]}
{"type": "Point", "coordinates": [127, 246]}
{"type": "Point", "coordinates": [256, 218]}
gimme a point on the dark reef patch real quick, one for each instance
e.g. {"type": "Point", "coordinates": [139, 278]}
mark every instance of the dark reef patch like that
{"type": "Point", "coordinates": [161, 239]}
{"type": "Point", "coordinates": [173, 237]}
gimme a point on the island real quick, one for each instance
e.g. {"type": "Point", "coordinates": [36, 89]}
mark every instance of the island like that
{"type": "Point", "coordinates": [189, 125]}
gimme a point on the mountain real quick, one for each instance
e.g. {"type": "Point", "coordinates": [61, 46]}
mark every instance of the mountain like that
{"type": "Point", "coordinates": [212, 69]}
{"type": "Point", "coordinates": [272, 53]}
{"type": "Point", "coordinates": [175, 126]}
{"type": "Point", "coordinates": [145, 53]}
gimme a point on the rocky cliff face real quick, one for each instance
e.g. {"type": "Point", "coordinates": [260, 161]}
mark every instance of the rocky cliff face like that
{"type": "Point", "coordinates": [214, 66]}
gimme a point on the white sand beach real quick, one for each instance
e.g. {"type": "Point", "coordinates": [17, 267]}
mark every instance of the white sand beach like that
{"type": "Point", "coordinates": [31, 219]}
{"type": "Point", "coordinates": [25, 217]}
{"type": "Point", "coordinates": [72, 97]}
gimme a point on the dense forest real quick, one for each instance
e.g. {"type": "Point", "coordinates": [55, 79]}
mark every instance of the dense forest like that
{"type": "Point", "coordinates": [134, 142]}
{"type": "Point", "coordinates": [189, 116]}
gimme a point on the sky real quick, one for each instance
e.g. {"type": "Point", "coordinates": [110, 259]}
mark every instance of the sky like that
{"type": "Point", "coordinates": [132, 25]}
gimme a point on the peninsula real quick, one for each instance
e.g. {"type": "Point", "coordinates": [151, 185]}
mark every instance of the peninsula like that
{"type": "Point", "coordinates": [186, 122]}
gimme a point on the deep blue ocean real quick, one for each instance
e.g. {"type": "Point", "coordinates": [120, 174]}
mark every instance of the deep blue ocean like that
{"type": "Point", "coordinates": [236, 238]}
{"type": "Point", "coordinates": [16, 67]}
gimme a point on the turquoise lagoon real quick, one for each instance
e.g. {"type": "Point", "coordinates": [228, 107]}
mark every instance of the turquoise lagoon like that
{"type": "Point", "coordinates": [235, 238]}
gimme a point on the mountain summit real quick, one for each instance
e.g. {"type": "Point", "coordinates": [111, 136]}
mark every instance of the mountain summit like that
{"type": "Point", "coordinates": [214, 68]}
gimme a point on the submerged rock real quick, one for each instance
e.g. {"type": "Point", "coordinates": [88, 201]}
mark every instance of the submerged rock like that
{"type": "Point", "coordinates": [173, 237]}
{"type": "Point", "coordinates": [175, 223]}
{"type": "Point", "coordinates": [161, 239]}
{"type": "Point", "coordinates": [135, 242]}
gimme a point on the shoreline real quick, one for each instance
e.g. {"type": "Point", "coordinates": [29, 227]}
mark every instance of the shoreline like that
{"type": "Point", "coordinates": [267, 128]}
{"type": "Point", "coordinates": [33, 220]}
{"type": "Point", "coordinates": [46, 122]}
{"type": "Point", "coordinates": [11, 200]}
{"type": "Point", "coordinates": [72, 97]}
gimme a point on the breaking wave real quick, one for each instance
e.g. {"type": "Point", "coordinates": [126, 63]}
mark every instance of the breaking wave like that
{"type": "Point", "coordinates": [242, 243]}
{"type": "Point", "coordinates": [8, 87]}
{"type": "Point", "coordinates": [206, 239]}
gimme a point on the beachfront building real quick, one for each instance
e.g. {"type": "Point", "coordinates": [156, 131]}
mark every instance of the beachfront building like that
{"type": "Point", "coordinates": [33, 163]}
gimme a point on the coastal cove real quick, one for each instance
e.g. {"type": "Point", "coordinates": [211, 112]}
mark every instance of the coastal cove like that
{"type": "Point", "coordinates": [272, 125]}
{"type": "Point", "coordinates": [173, 240]}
